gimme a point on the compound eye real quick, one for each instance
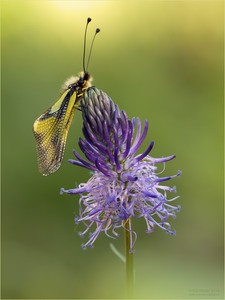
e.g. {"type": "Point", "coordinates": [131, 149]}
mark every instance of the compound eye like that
{"type": "Point", "coordinates": [86, 77]}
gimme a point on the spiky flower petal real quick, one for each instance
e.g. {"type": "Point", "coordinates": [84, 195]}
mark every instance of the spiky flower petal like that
{"type": "Point", "coordinates": [124, 184]}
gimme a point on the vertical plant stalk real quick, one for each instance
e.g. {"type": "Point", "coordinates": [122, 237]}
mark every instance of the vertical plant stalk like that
{"type": "Point", "coordinates": [129, 259]}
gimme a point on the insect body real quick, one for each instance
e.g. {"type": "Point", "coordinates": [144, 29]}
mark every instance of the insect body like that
{"type": "Point", "coordinates": [51, 128]}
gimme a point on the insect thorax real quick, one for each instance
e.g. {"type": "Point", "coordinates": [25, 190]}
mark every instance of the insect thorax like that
{"type": "Point", "coordinates": [78, 83]}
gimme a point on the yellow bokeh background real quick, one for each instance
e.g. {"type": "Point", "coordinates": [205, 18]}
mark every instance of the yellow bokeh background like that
{"type": "Point", "coordinates": [158, 60]}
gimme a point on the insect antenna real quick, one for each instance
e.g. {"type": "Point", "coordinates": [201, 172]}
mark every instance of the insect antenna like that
{"type": "Point", "coordinates": [92, 43]}
{"type": "Point", "coordinates": [85, 39]}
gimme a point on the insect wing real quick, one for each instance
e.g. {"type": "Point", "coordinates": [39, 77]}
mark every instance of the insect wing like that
{"type": "Point", "coordinates": [51, 130]}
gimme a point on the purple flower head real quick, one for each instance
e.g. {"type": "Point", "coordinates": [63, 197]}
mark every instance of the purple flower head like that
{"type": "Point", "coordinates": [124, 184]}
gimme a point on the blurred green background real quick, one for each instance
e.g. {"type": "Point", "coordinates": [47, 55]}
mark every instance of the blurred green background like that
{"type": "Point", "coordinates": [159, 60]}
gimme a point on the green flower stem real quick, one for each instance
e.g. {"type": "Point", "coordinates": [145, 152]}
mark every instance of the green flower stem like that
{"type": "Point", "coordinates": [129, 260]}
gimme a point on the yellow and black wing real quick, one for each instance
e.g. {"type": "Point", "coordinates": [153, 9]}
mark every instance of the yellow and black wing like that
{"type": "Point", "coordinates": [51, 130]}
